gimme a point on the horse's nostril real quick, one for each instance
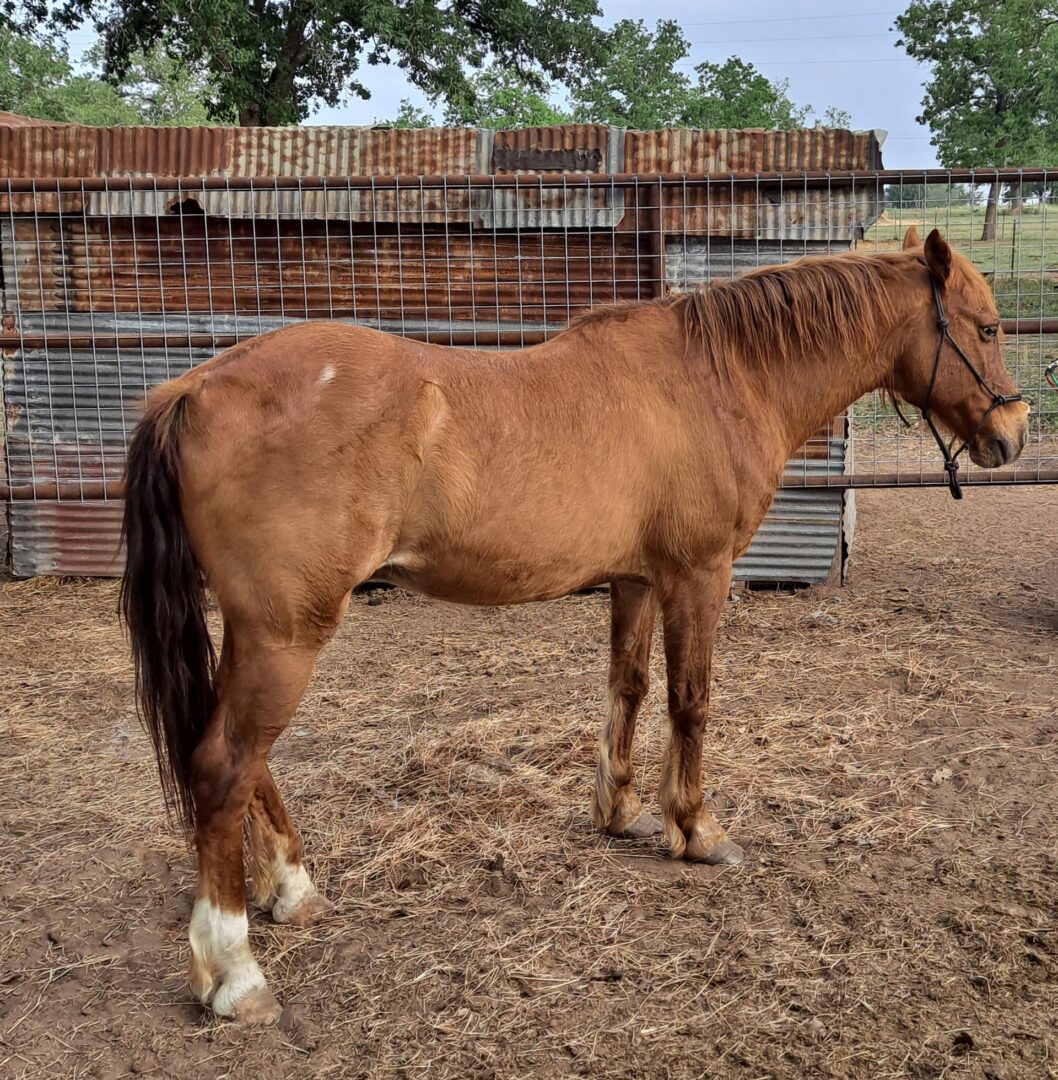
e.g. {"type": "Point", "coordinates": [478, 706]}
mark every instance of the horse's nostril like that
{"type": "Point", "coordinates": [1000, 450]}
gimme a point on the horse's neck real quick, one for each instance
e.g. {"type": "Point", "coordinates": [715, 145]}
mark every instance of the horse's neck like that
{"type": "Point", "coordinates": [806, 391]}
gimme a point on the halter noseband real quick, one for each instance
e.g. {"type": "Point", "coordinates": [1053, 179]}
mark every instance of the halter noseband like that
{"type": "Point", "coordinates": [951, 460]}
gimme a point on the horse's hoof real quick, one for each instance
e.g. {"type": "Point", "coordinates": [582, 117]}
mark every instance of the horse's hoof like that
{"type": "Point", "coordinates": [724, 853]}
{"type": "Point", "coordinates": [309, 910]}
{"type": "Point", "coordinates": [256, 1009]}
{"type": "Point", "coordinates": [646, 824]}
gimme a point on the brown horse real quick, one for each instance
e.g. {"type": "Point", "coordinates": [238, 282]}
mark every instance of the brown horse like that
{"type": "Point", "coordinates": [641, 447]}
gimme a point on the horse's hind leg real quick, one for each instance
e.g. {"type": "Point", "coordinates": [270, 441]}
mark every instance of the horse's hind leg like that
{"type": "Point", "coordinates": [280, 882]}
{"type": "Point", "coordinates": [261, 685]}
{"type": "Point", "coordinates": [616, 806]}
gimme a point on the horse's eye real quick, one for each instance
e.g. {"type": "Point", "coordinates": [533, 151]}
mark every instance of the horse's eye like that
{"type": "Point", "coordinates": [990, 333]}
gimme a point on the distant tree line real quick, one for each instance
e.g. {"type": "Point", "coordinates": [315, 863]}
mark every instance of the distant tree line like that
{"type": "Point", "coordinates": [934, 196]}
{"type": "Point", "coordinates": [637, 84]}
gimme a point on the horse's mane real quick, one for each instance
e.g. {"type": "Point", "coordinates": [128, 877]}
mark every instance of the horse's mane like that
{"type": "Point", "coordinates": [830, 303]}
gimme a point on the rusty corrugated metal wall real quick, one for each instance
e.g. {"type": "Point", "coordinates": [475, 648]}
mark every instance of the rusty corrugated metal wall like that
{"type": "Point", "coordinates": [71, 150]}
{"type": "Point", "coordinates": [444, 260]}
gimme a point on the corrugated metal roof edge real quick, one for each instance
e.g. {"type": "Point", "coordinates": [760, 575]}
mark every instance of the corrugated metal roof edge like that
{"type": "Point", "coordinates": [32, 149]}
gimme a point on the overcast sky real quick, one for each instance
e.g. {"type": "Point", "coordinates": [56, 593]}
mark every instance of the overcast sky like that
{"type": "Point", "coordinates": [833, 52]}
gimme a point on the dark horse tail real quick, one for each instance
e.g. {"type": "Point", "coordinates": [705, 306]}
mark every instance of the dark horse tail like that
{"type": "Point", "coordinates": [163, 602]}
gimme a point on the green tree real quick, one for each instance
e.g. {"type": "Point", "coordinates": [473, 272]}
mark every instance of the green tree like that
{"type": "Point", "coordinates": [409, 115]}
{"type": "Point", "coordinates": [735, 95]}
{"type": "Point", "coordinates": [502, 99]}
{"type": "Point", "coordinates": [272, 61]}
{"type": "Point", "coordinates": [164, 92]}
{"type": "Point", "coordinates": [37, 80]}
{"type": "Point", "coordinates": [992, 98]}
{"type": "Point", "coordinates": [834, 118]}
{"type": "Point", "coordinates": [638, 83]}
{"type": "Point", "coordinates": [918, 197]}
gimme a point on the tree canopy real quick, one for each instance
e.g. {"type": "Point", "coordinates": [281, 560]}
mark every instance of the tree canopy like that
{"type": "Point", "coordinates": [501, 99]}
{"type": "Point", "coordinates": [37, 79]}
{"type": "Point", "coordinates": [640, 84]}
{"type": "Point", "coordinates": [274, 61]}
{"type": "Point", "coordinates": [509, 63]}
{"type": "Point", "coordinates": [992, 97]}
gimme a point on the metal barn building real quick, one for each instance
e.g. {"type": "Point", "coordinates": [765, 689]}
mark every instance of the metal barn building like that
{"type": "Point", "coordinates": [117, 276]}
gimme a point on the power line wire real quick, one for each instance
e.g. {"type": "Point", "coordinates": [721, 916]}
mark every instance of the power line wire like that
{"type": "Point", "coordinates": [820, 37]}
{"type": "Point", "coordinates": [793, 18]}
{"type": "Point", "coordinates": [850, 60]}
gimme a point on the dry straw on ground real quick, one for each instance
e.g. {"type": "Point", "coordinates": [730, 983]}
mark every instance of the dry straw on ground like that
{"type": "Point", "coordinates": [886, 753]}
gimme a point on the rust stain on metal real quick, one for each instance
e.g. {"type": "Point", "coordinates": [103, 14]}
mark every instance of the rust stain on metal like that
{"type": "Point", "coordinates": [566, 148]}
{"type": "Point", "coordinates": [307, 269]}
{"type": "Point", "coordinates": [678, 150]}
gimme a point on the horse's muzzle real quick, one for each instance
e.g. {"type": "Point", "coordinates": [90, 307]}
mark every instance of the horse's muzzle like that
{"type": "Point", "coordinates": [996, 449]}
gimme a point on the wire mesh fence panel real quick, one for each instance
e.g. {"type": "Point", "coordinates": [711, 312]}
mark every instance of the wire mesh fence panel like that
{"type": "Point", "coordinates": [112, 285]}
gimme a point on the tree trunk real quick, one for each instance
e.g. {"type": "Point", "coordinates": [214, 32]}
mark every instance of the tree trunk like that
{"type": "Point", "coordinates": [989, 232]}
{"type": "Point", "coordinates": [1017, 198]}
{"type": "Point", "coordinates": [250, 115]}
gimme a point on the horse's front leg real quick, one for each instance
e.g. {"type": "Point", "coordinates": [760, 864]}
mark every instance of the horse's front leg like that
{"type": "Point", "coordinates": [616, 806]}
{"type": "Point", "coordinates": [691, 603]}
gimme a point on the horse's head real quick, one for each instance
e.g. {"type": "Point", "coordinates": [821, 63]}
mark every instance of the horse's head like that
{"type": "Point", "coordinates": [951, 365]}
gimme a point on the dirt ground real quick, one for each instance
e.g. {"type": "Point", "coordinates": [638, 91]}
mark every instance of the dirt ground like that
{"type": "Point", "coordinates": [886, 753]}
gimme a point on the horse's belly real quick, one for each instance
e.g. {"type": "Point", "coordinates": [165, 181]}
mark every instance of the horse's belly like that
{"type": "Point", "coordinates": [468, 578]}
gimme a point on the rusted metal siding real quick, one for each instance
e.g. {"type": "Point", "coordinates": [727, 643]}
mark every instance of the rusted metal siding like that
{"type": "Point", "coordinates": [568, 148]}
{"type": "Point", "coordinates": [70, 411]}
{"type": "Point", "coordinates": [449, 260]}
{"type": "Point", "coordinates": [687, 150]}
{"type": "Point", "coordinates": [748, 209]}
{"type": "Point", "coordinates": [742, 210]}
{"type": "Point", "coordinates": [71, 150]}
{"type": "Point", "coordinates": [351, 151]}
{"type": "Point", "coordinates": [165, 268]}
{"type": "Point", "coordinates": [67, 539]}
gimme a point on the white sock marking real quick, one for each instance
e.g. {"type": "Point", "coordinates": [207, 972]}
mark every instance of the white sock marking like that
{"type": "Point", "coordinates": [220, 944]}
{"type": "Point", "coordinates": [292, 886]}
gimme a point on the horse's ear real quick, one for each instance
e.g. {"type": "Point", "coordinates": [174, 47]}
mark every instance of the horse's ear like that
{"type": "Point", "coordinates": [938, 257]}
{"type": "Point", "coordinates": [911, 239]}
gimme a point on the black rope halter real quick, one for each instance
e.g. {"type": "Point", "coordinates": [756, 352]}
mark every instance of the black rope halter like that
{"type": "Point", "coordinates": [951, 459]}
